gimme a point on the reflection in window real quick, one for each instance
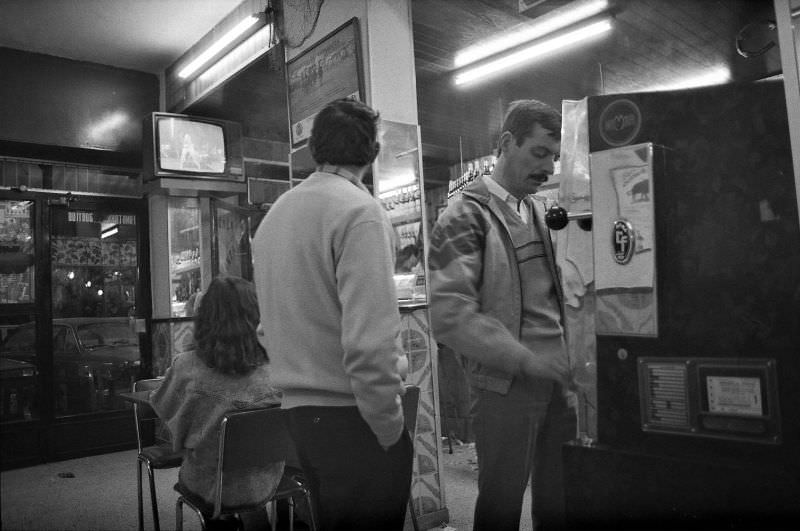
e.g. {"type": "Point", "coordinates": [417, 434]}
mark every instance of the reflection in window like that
{"type": "Point", "coordinates": [94, 260]}
{"type": "Point", "coordinates": [16, 252]}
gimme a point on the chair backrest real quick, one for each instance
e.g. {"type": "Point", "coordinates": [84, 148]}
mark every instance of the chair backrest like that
{"type": "Point", "coordinates": [410, 405]}
{"type": "Point", "coordinates": [144, 414]}
{"type": "Point", "coordinates": [250, 439]}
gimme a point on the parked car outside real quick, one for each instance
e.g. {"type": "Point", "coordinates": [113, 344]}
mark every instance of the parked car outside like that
{"type": "Point", "coordinates": [94, 359]}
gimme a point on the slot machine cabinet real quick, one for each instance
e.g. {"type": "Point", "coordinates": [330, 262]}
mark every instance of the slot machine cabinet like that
{"type": "Point", "coordinates": [697, 275]}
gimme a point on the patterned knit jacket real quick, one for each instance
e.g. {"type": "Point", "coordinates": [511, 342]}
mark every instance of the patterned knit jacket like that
{"type": "Point", "coordinates": [476, 302]}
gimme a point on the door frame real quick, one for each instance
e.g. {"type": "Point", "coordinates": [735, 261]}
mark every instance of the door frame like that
{"type": "Point", "coordinates": [51, 438]}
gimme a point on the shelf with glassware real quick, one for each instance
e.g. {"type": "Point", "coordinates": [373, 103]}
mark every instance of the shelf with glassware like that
{"type": "Point", "coordinates": [464, 174]}
{"type": "Point", "coordinates": [404, 207]}
{"type": "Point", "coordinates": [180, 252]}
{"type": "Point", "coordinates": [192, 239]}
{"type": "Point", "coordinates": [205, 236]}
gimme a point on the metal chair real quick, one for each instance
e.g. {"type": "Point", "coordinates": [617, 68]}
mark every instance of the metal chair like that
{"type": "Point", "coordinates": [154, 457]}
{"type": "Point", "coordinates": [410, 402]}
{"type": "Point", "coordinates": [252, 438]}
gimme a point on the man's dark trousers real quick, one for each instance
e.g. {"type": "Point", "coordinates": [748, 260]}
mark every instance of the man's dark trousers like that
{"type": "Point", "coordinates": [355, 484]}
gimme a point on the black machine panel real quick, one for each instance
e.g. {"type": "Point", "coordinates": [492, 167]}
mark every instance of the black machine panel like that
{"type": "Point", "coordinates": [727, 242]}
{"type": "Point", "coordinates": [718, 383]}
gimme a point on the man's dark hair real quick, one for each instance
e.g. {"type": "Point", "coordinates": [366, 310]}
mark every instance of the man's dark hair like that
{"type": "Point", "coordinates": [523, 115]}
{"type": "Point", "coordinates": [345, 134]}
{"type": "Point", "coordinates": [225, 327]}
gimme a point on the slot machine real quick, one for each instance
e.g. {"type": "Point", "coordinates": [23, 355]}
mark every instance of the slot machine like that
{"type": "Point", "coordinates": [696, 245]}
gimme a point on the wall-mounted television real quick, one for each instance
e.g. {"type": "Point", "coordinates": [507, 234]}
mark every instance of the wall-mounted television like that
{"type": "Point", "coordinates": [179, 145]}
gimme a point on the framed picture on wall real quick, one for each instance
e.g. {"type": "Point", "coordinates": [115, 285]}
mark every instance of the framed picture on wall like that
{"type": "Point", "coordinates": [329, 70]}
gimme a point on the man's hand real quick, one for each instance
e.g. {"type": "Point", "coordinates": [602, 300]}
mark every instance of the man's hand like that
{"type": "Point", "coordinates": [551, 368]}
{"type": "Point", "coordinates": [583, 376]}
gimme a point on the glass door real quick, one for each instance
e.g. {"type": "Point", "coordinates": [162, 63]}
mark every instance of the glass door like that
{"type": "Point", "coordinates": [93, 281]}
{"type": "Point", "coordinates": [73, 300]}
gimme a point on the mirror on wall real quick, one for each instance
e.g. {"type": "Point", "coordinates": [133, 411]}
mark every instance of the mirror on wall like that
{"type": "Point", "coordinates": [398, 185]}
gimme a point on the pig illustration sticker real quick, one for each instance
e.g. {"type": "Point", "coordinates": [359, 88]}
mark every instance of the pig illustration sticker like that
{"type": "Point", "coordinates": [623, 192]}
{"type": "Point", "coordinates": [632, 185]}
{"type": "Point", "coordinates": [623, 241]}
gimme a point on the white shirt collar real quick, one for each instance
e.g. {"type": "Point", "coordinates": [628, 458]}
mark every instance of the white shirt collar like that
{"type": "Point", "coordinates": [517, 205]}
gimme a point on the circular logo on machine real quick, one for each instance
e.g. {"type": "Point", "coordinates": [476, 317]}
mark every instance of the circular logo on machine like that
{"type": "Point", "coordinates": [622, 241]}
{"type": "Point", "coordinates": [620, 122]}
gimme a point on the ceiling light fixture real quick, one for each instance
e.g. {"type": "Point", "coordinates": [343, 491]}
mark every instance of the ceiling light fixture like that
{"type": "Point", "coordinates": [389, 184]}
{"type": "Point", "coordinates": [535, 50]}
{"type": "Point", "coordinates": [223, 42]}
{"type": "Point", "coordinates": [715, 76]}
{"type": "Point", "coordinates": [553, 21]}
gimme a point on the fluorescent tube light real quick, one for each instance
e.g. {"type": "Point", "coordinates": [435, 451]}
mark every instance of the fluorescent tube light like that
{"type": "Point", "coordinates": [110, 232]}
{"type": "Point", "coordinates": [535, 50]}
{"type": "Point", "coordinates": [387, 185]}
{"type": "Point", "coordinates": [553, 21]}
{"type": "Point", "coordinates": [716, 76]}
{"type": "Point", "coordinates": [218, 46]}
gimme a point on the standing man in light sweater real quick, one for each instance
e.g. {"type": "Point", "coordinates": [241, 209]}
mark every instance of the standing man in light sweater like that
{"type": "Point", "coordinates": [323, 263]}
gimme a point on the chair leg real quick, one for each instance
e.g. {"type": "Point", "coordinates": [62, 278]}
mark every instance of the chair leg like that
{"type": "Point", "coordinates": [153, 499]}
{"type": "Point", "coordinates": [291, 513]}
{"type": "Point", "coordinates": [272, 514]}
{"type": "Point", "coordinates": [179, 514]}
{"type": "Point", "coordinates": [139, 493]}
{"type": "Point", "coordinates": [311, 517]}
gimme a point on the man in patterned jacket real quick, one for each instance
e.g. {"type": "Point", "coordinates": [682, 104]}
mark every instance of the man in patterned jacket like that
{"type": "Point", "coordinates": [497, 301]}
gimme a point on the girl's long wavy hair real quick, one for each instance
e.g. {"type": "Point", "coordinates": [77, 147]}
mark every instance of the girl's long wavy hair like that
{"type": "Point", "coordinates": [225, 327]}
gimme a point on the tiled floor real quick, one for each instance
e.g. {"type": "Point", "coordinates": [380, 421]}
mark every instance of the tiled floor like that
{"type": "Point", "coordinates": [99, 493]}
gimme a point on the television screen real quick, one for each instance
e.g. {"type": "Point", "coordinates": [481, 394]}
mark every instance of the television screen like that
{"type": "Point", "coordinates": [192, 146]}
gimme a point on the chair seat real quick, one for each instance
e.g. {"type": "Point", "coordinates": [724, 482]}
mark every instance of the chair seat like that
{"type": "Point", "coordinates": [288, 487]}
{"type": "Point", "coordinates": [162, 456]}
{"type": "Point", "coordinates": [208, 508]}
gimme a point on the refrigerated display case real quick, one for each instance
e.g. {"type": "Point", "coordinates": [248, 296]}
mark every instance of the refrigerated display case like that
{"type": "Point", "coordinates": [193, 239]}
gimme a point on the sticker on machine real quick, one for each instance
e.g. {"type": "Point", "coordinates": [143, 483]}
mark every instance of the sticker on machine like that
{"type": "Point", "coordinates": [738, 395]}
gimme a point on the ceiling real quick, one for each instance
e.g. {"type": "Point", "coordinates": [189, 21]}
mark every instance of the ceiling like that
{"type": "Point", "coordinates": [144, 35]}
{"type": "Point", "coordinates": [653, 43]}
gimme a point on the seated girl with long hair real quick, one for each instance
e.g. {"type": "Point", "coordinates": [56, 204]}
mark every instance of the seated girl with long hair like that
{"type": "Point", "coordinates": [227, 371]}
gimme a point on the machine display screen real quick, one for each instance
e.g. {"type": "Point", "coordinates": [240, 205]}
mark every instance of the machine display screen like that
{"type": "Point", "coordinates": [735, 395]}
